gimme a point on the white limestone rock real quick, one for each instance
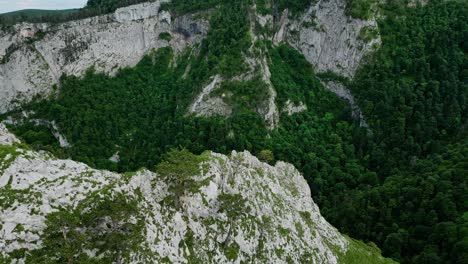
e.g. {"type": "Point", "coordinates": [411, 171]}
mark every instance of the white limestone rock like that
{"type": "Point", "coordinates": [269, 109]}
{"type": "Point", "coordinates": [115, 158]}
{"type": "Point", "coordinates": [207, 105]}
{"type": "Point", "coordinates": [329, 39]}
{"type": "Point", "coordinates": [5, 137]}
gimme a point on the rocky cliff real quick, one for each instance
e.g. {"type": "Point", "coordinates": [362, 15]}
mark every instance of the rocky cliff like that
{"type": "Point", "coordinates": [34, 56]}
{"type": "Point", "coordinates": [330, 39]}
{"type": "Point", "coordinates": [271, 219]}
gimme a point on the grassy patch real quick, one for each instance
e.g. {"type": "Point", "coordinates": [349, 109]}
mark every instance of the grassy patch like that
{"type": "Point", "coordinates": [8, 154]}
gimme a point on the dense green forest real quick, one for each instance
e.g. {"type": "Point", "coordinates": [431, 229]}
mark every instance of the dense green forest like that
{"type": "Point", "coordinates": [414, 94]}
{"type": "Point", "coordinates": [401, 184]}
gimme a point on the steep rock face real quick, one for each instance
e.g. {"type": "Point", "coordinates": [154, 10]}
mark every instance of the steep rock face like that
{"type": "Point", "coordinates": [6, 138]}
{"type": "Point", "coordinates": [279, 221]}
{"type": "Point", "coordinates": [36, 55]}
{"type": "Point", "coordinates": [332, 42]}
{"type": "Point", "coordinates": [329, 39]}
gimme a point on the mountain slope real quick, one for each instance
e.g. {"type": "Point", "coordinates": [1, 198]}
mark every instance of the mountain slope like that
{"type": "Point", "coordinates": [237, 209]}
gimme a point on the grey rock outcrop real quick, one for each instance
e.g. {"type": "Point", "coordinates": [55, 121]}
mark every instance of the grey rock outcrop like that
{"type": "Point", "coordinates": [329, 39]}
{"type": "Point", "coordinates": [34, 62]}
{"type": "Point", "coordinates": [207, 105]}
{"type": "Point", "coordinates": [35, 56]}
{"type": "Point", "coordinates": [332, 42]}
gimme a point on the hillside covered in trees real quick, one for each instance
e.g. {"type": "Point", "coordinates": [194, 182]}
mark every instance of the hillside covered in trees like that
{"type": "Point", "coordinates": [400, 183]}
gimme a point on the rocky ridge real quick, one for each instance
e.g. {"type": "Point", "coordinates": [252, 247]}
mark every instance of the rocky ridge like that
{"type": "Point", "coordinates": [332, 42]}
{"type": "Point", "coordinates": [279, 221]}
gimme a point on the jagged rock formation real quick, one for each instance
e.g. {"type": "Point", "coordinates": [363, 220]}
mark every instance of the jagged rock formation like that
{"type": "Point", "coordinates": [330, 40]}
{"type": "Point", "coordinates": [279, 222]}
{"type": "Point", "coordinates": [6, 138]}
{"type": "Point", "coordinates": [208, 105]}
{"type": "Point", "coordinates": [36, 55]}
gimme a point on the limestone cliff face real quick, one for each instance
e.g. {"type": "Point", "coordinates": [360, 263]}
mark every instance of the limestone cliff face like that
{"type": "Point", "coordinates": [36, 55]}
{"type": "Point", "coordinates": [329, 39]}
{"type": "Point", "coordinates": [278, 222]}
